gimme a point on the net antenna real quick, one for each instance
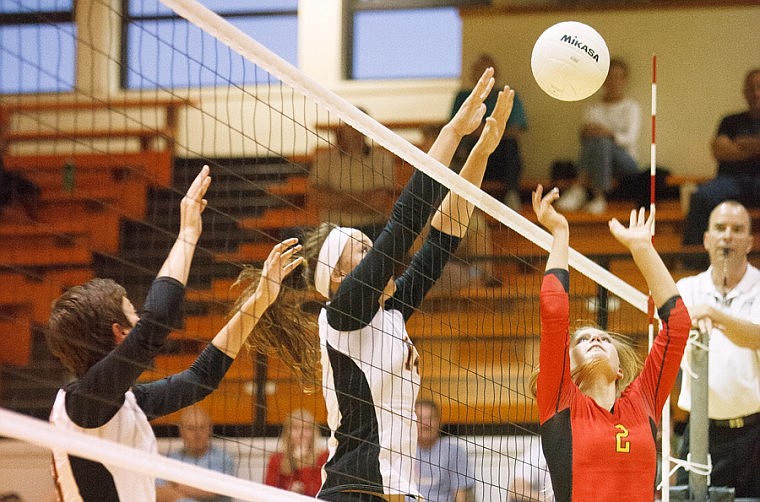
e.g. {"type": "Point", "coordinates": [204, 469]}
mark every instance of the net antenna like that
{"type": "Point", "coordinates": [244, 45]}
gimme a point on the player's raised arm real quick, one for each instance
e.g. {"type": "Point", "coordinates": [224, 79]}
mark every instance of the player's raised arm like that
{"type": "Point", "coordinates": [281, 262]}
{"type": "Point", "coordinates": [454, 213]}
{"type": "Point", "coordinates": [637, 237]}
{"type": "Point", "coordinates": [465, 120]}
{"type": "Point", "coordinates": [177, 263]}
{"type": "Point", "coordinates": [555, 223]}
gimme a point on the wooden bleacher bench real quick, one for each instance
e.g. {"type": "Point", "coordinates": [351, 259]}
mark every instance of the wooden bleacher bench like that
{"type": "Point", "coordinates": [156, 142]}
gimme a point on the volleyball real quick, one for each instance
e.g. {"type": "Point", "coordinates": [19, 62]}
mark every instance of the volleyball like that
{"type": "Point", "coordinates": [570, 61]}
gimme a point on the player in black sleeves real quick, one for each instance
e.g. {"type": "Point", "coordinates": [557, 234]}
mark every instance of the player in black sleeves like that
{"type": "Point", "coordinates": [95, 331]}
{"type": "Point", "coordinates": [370, 377]}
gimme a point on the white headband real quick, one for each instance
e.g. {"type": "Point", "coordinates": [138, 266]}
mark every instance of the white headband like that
{"type": "Point", "coordinates": [329, 255]}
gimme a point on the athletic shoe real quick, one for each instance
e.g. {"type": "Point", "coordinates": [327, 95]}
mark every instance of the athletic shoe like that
{"type": "Point", "coordinates": [597, 205]}
{"type": "Point", "coordinates": [571, 199]}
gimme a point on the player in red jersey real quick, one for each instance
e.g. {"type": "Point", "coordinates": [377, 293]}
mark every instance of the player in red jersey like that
{"type": "Point", "coordinates": [598, 414]}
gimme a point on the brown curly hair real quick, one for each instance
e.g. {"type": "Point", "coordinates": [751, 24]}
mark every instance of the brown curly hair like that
{"type": "Point", "coordinates": [79, 328]}
{"type": "Point", "coordinates": [285, 330]}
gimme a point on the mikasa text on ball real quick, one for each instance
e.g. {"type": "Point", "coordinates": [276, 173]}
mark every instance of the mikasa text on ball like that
{"type": "Point", "coordinates": [570, 61]}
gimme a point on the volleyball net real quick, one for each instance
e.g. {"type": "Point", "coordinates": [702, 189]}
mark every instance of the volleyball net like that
{"type": "Point", "coordinates": [113, 164]}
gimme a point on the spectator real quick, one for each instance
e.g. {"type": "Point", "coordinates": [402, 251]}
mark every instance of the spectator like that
{"type": "Point", "coordinates": [195, 430]}
{"type": "Point", "coordinates": [352, 183]}
{"type": "Point", "coordinates": [298, 466]}
{"type": "Point", "coordinates": [505, 164]}
{"type": "Point", "coordinates": [609, 139]}
{"type": "Point", "coordinates": [531, 481]}
{"type": "Point", "coordinates": [13, 186]}
{"type": "Point", "coordinates": [725, 302]}
{"type": "Point", "coordinates": [444, 471]}
{"type": "Point", "coordinates": [736, 147]}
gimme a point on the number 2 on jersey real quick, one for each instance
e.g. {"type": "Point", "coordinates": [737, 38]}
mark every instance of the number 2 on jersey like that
{"type": "Point", "coordinates": [622, 444]}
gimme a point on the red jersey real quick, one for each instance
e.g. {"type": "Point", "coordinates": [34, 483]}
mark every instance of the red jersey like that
{"type": "Point", "coordinates": [593, 453]}
{"type": "Point", "coordinates": [311, 477]}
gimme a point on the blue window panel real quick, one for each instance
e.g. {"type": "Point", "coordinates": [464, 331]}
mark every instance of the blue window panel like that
{"type": "Point", "coordinates": [37, 58]}
{"type": "Point", "coordinates": [200, 60]}
{"type": "Point", "coordinates": [406, 44]}
{"type": "Point", "coordinates": [26, 6]}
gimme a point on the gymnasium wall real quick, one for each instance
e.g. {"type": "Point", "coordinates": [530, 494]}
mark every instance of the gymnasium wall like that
{"type": "Point", "coordinates": [702, 53]}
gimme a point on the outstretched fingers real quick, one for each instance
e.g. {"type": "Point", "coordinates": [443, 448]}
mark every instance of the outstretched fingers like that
{"type": "Point", "coordinates": [471, 112]}
{"type": "Point", "coordinates": [193, 204]}
{"type": "Point", "coordinates": [543, 206]}
{"type": "Point", "coordinates": [504, 104]}
{"type": "Point", "coordinates": [639, 230]}
{"type": "Point", "coordinates": [199, 186]}
{"type": "Point", "coordinates": [493, 132]}
{"type": "Point", "coordinates": [282, 260]}
{"type": "Point", "coordinates": [485, 83]}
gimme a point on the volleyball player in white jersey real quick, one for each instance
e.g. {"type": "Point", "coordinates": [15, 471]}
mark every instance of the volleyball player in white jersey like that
{"type": "Point", "coordinates": [95, 331]}
{"type": "Point", "coordinates": [369, 365]}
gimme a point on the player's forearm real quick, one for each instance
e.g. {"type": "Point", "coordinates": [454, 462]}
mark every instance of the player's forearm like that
{"type": "Point", "coordinates": [453, 215]}
{"type": "Point", "coordinates": [445, 144]}
{"type": "Point", "coordinates": [656, 274]}
{"type": "Point", "coordinates": [177, 263]}
{"type": "Point", "coordinates": [232, 336]}
{"type": "Point", "coordinates": [558, 254]}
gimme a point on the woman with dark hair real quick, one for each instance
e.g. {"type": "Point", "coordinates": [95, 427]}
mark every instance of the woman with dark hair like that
{"type": "Point", "coordinates": [598, 413]}
{"type": "Point", "coordinates": [96, 333]}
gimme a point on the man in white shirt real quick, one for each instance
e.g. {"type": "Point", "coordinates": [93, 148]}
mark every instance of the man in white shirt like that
{"type": "Point", "coordinates": [725, 301]}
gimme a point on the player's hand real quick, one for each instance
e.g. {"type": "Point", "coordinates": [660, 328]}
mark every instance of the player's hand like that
{"type": "Point", "coordinates": [493, 132]}
{"type": "Point", "coordinates": [639, 231]}
{"type": "Point", "coordinates": [281, 262]}
{"type": "Point", "coordinates": [471, 113]}
{"type": "Point", "coordinates": [543, 206]}
{"type": "Point", "coordinates": [192, 205]}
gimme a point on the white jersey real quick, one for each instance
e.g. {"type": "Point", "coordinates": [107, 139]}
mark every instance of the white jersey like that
{"type": "Point", "coordinates": [622, 117]}
{"type": "Point", "coordinates": [734, 372]}
{"type": "Point", "coordinates": [370, 382]}
{"type": "Point", "coordinates": [129, 427]}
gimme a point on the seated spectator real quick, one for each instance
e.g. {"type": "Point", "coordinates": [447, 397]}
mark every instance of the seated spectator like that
{"type": "Point", "coordinates": [352, 183]}
{"type": "Point", "coordinates": [609, 139]}
{"type": "Point", "coordinates": [195, 430]}
{"type": "Point", "coordinates": [13, 186]}
{"type": "Point", "coordinates": [297, 467]}
{"type": "Point", "coordinates": [445, 473]}
{"type": "Point", "coordinates": [531, 481]}
{"type": "Point", "coordinates": [505, 163]}
{"type": "Point", "coordinates": [736, 147]}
